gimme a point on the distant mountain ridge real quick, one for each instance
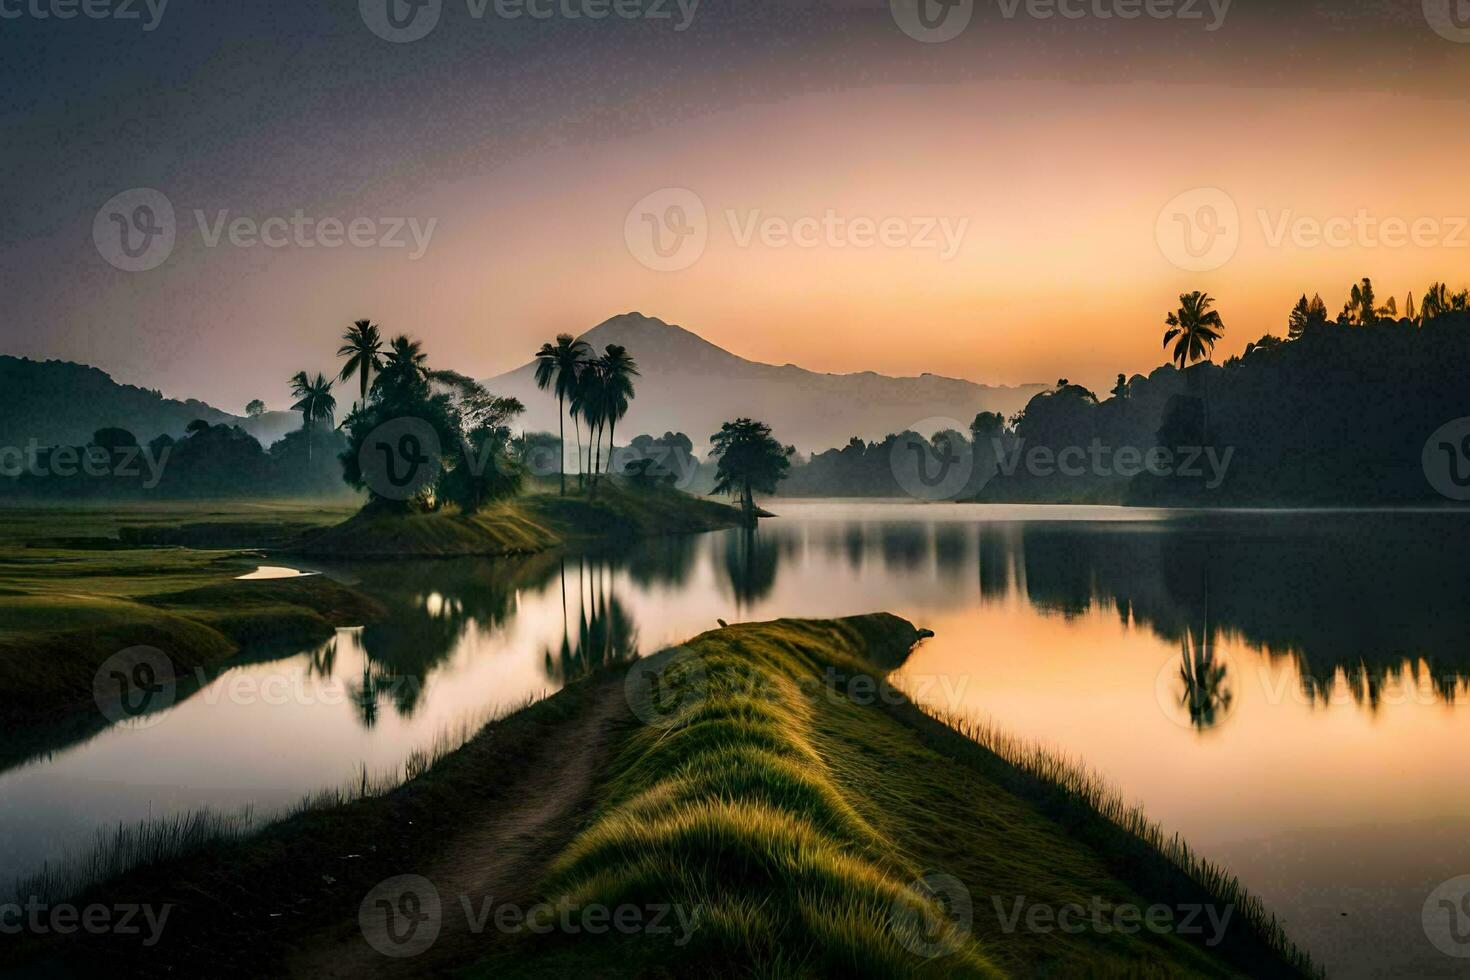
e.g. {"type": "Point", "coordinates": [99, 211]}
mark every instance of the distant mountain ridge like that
{"type": "Point", "coordinates": [62, 403]}
{"type": "Point", "coordinates": [690, 385]}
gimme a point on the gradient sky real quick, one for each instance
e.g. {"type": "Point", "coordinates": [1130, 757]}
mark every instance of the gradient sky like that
{"type": "Point", "coordinates": [1057, 142]}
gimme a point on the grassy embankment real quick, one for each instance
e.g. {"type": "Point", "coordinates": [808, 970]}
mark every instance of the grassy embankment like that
{"type": "Point", "coordinates": [523, 525]}
{"type": "Point", "coordinates": [73, 593]}
{"type": "Point", "coordinates": [784, 790]}
{"type": "Point", "coordinates": [798, 809]}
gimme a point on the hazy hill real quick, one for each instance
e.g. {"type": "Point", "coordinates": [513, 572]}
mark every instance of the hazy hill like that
{"type": "Point", "coordinates": [689, 385]}
{"type": "Point", "coordinates": [63, 403]}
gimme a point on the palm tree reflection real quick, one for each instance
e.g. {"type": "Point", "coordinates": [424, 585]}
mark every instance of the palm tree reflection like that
{"type": "Point", "coordinates": [1207, 695]}
{"type": "Point", "coordinates": [606, 633]}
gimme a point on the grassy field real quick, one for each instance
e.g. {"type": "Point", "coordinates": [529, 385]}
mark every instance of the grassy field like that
{"type": "Point", "coordinates": [81, 583]}
{"type": "Point", "coordinates": [763, 775]}
{"type": "Point", "coordinates": [526, 524]}
{"type": "Point", "coordinates": [73, 594]}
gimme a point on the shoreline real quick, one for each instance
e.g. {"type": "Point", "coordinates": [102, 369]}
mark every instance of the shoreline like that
{"type": "Point", "coordinates": [843, 753]}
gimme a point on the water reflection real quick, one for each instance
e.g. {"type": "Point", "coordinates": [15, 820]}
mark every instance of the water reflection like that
{"type": "Point", "coordinates": [1077, 626]}
{"type": "Point", "coordinates": [1340, 600]}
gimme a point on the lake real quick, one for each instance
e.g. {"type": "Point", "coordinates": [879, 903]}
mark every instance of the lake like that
{"type": "Point", "coordinates": [1279, 687]}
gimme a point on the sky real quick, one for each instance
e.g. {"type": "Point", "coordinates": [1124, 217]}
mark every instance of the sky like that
{"type": "Point", "coordinates": [831, 184]}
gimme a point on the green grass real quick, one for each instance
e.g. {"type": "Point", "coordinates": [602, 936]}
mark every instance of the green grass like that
{"type": "Point", "coordinates": [531, 523]}
{"type": "Point", "coordinates": [66, 604]}
{"type": "Point", "coordinates": [800, 822]}
{"type": "Point", "coordinates": [795, 814]}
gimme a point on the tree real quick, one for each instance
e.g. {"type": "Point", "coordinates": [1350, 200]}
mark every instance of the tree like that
{"type": "Point", "coordinates": [617, 369]}
{"type": "Point", "coordinates": [1436, 302]}
{"type": "Point", "coordinates": [589, 403]}
{"type": "Point", "coordinates": [1362, 307]}
{"type": "Point", "coordinates": [557, 366]}
{"type": "Point", "coordinates": [750, 461]}
{"type": "Point", "coordinates": [1120, 389]}
{"type": "Point", "coordinates": [483, 465]}
{"type": "Point", "coordinates": [255, 409]}
{"type": "Point", "coordinates": [1193, 329]}
{"type": "Point", "coordinates": [406, 361]}
{"type": "Point", "coordinates": [1306, 316]}
{"type": "Point", "coordinates": [315, 402]}
{"type": "Point", "coordinates": [986, 425]}
{"type": "Point", "coordinates": [363, 348]}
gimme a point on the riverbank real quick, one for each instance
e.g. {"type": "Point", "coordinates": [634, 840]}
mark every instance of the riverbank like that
{"type": "Point", "coordinates": [762, 782]}
{"type": "Point", "coordinates": [522, 525]}
{"type": "Point", "coordinates": [65, 611]}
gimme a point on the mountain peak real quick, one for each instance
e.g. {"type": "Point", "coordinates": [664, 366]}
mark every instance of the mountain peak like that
{"type": "Point", "coordinates": [690, 385]}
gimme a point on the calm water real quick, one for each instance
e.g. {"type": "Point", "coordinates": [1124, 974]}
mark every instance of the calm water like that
{"type": "Point", "coordinates": [1280, 688]}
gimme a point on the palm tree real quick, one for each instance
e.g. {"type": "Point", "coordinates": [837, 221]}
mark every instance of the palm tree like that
{"type": "Point", "coordinates": [1193, 330]}
{"type": "Point", "coordinates": [363, 348]}
{"type": "Point", "coordinates": [1436, 301]}
{"type": "Point", "coordinates": [618, 369]}
{"type": "Point", "coordinates": [557, 366]}
{"type": "Point", "coordinates": [590, 403]}
{"type": "Point", "coordinates": [406, 357]}
{"type": "Point", "coordinates": [315, 402]}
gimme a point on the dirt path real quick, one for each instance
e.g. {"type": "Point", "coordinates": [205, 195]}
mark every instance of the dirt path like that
{"type": "Point", "coordinates": [495, 859]}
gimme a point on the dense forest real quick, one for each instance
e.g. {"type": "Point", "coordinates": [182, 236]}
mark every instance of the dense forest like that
{"type": "Point", "coordinates": [1338, 412]}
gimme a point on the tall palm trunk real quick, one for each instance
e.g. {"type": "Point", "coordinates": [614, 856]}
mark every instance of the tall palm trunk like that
{"type": "Point", "coordinates": [597, 470]}
{"type": "Point", "coordinates": [561, 449]}
{"type": "Point", "coordinates": [612, 431]}
{"type": "Point", "coordinates": [577, 424]}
